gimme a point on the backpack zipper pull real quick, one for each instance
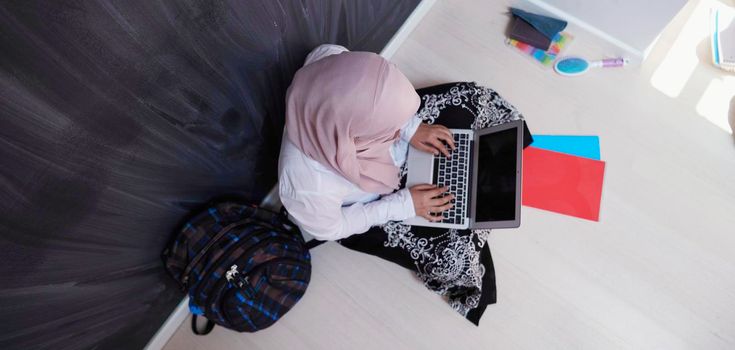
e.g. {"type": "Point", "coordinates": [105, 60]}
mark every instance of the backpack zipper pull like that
{"type": "Point", "coordinates": [234, 277]}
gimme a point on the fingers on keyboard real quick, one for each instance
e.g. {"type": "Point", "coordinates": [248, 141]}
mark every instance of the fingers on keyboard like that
{"type": "Point", "coordinates": [453, 173]}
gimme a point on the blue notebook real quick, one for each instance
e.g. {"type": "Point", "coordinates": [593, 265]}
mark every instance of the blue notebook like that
{"type": "Point", "coordinates": [723, 38]}
{"type": "Point", "coordinates": [580, 146]}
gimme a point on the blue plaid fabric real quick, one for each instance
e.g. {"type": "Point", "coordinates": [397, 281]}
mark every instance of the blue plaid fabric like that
{"type": "Point", "coordinates": [243, 267]}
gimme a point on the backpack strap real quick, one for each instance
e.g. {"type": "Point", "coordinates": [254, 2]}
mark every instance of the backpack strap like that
{"type": "Point", "coordinates": [313, 243]}
{"type": "Point", "coordinates": [207, 328]}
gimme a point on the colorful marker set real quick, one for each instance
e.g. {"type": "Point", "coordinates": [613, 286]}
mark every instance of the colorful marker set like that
{"type": "Point", "coordinates": [546, 58]}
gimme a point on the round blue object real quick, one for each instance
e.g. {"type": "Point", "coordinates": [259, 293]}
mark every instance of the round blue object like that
{"type": "Point", "coordinates": [571, 66]}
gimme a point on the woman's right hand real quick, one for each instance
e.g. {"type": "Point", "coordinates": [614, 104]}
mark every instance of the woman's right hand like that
{"type": "Point", "coordinates": [429, 201]}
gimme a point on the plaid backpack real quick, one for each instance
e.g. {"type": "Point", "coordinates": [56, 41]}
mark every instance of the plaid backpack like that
{"type": "Point", "coordinates": [243, 267]}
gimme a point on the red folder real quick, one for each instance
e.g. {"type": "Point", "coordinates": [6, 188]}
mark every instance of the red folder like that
{"type": "Point", "coordinates": [562, 183]}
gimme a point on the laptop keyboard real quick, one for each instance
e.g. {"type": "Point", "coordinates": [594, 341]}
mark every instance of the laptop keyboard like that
{"type": "Point", "coordinates": [454, 173]}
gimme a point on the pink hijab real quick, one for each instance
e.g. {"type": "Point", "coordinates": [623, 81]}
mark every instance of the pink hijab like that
{"type": "Point", "coordinates": [346, 110]}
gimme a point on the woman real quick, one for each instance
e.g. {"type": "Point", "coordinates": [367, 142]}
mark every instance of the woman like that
{"type": "Point", "coordinates": [349, 119]}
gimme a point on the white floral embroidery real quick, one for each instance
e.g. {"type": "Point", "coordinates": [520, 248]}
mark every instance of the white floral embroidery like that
{"type": "Point", "coordinates": [482, 236]}
{"type": "Point", "coordinates": [455, 264]}
{"type": "Point", "coordinates": [403, 171]}
{"type": "Point", "coordinates": [400, 235]}
{"type": "Point", "coordinates": [487, 106]}
{"type": "Point", "coordinates": [449, 263]}
{"type": "Point", "coordinates": [444, 262]}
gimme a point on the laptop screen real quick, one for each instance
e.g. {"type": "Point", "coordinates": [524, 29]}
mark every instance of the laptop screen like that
{"type": "Point", "coordinates": [496, 176]}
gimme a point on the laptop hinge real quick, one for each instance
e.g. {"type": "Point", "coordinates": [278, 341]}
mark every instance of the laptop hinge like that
{"type": "Point", "coordinates": [470, 189]}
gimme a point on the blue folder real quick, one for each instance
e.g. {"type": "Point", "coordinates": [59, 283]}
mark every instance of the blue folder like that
{"type": "Point", "coordinates": [580, 146]}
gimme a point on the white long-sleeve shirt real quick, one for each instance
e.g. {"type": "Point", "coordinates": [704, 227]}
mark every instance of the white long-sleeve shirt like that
{"type": "Point", "coordinates": [325, 204]}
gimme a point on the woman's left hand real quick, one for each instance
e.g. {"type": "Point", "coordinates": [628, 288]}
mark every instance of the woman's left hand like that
{"type": "Point", "coordinates": [432, 139]}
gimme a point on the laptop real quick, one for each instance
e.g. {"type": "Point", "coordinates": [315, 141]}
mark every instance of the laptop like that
{"type": "Point", "coordinates": [484, 174]}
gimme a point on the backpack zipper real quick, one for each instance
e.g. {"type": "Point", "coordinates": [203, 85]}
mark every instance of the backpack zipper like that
{"type": "Point", "coordinates": [234, 277]}
{"type": "Point", "coordinates": [264, 242]}
{"type": "Point", "coordinates": [203, 251]}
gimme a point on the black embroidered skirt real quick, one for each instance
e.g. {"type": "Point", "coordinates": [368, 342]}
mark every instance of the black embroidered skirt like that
{"type": "Point", "coordinates": [453, 263]}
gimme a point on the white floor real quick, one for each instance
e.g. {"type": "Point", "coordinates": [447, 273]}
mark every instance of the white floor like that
{"type": "Point", "coordinates": [657, 271]}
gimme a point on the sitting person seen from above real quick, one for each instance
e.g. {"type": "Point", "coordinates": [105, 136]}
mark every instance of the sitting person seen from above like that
{"type": "Point", "coordinates": [350, 117]}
